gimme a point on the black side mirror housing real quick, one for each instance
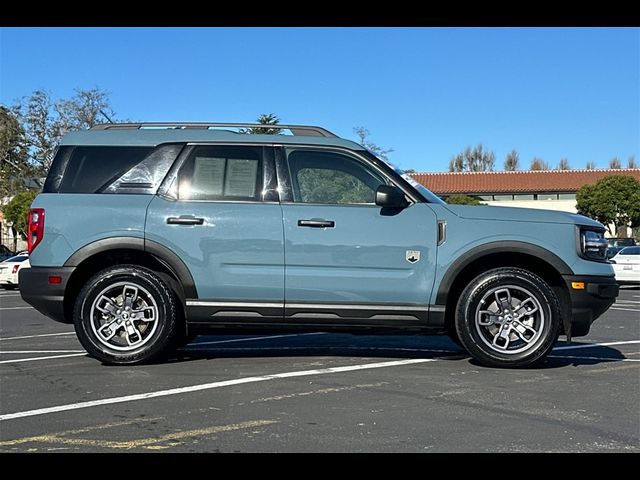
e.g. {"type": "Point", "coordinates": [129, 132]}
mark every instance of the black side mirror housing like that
{"type": "Point", "coordinates": [388, 196]}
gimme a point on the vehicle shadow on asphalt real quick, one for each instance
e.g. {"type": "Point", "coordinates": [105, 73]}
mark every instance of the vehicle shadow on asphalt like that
{"type": "Point", "coordinates": [365, 346]}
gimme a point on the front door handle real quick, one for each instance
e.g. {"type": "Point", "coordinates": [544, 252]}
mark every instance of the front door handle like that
{"type": "Point", "coordinates": [185, 220]}
{"type": "Point", "coordinates": [317, 223]}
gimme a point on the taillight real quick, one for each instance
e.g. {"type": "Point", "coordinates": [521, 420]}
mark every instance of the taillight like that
{"type": "Point", "coordinates": [15, 269]}
{"type": "Point", "coordinates": [35, 229]}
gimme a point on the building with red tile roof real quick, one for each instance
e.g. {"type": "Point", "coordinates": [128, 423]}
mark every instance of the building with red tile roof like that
{"type": "Point", "coordinates": [531, 182]}
{"type": "Point", "coordinates": [543, 189]}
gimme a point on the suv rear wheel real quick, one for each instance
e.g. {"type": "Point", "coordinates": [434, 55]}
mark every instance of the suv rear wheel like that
{"type": "Point", "coordinates": [126, 315]}
{"type": "Point", "coordinates": [508, 317]}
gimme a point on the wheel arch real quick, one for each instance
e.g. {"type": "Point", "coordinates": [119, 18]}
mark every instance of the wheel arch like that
{"type": "Point", "coordinates": [524, 255]}
{"type": "Point", "coordinates": [107, 252]}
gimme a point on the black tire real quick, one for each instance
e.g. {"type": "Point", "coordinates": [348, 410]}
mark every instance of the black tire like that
{"type": "Point", "coordinates": [8, 287]}
{"type": "Point", "coordinates": [150, 337]}
{"type": "Point", "coordinates": [503, 333]}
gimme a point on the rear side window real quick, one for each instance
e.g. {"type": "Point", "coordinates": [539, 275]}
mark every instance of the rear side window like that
{"type": "Point", "coordinates": [222, 173]}
{"type": "Point", "coordinates": [89, 169]}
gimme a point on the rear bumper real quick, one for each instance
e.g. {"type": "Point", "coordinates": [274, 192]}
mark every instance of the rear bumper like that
{"type": "Point", "coordinates": [9, 279]}
{"type": "Point", "coordinates": [45, 297]}
{"type": "Point", "coordinates": [589, 303]}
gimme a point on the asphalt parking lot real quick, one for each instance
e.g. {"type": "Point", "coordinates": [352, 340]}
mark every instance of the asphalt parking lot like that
{"type": "Point", "coordinates": [317, 392]}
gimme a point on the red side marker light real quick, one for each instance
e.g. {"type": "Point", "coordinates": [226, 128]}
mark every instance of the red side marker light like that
{"type": "Point", "coordinates": [55, 279]}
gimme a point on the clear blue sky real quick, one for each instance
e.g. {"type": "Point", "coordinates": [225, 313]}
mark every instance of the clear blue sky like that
{"type": "Point", "coordinates": [425, 92]}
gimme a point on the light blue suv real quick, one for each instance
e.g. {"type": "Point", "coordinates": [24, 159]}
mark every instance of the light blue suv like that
{"type": "Point", "coordinates": [148, 234]}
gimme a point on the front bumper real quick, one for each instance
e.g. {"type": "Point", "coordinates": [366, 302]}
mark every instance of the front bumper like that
{"type": "Point", "coordinates": [588, 303]}
{"type": "Point", "coordinates": [45, 297]}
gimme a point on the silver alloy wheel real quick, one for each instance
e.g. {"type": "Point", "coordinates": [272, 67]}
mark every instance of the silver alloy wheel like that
{"type": "Point", "coordinates": [509, 319]}
{"type": "Point", "coordinates": [124, 316]}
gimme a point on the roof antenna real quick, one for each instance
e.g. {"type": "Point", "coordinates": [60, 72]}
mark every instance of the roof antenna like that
{"type": "Point", "coordinates": [105, 116]}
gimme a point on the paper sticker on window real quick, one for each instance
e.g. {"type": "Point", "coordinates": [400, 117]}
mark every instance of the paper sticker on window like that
{"type": "Point", "coordinates": [208, 176]}
{"type": "Point", "coordinates": [241, 178]}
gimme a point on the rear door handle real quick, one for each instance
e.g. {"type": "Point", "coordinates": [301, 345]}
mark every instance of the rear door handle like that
{"type": "Point", "coordinates": [317, 223]}
{"type": "Point", "coordinates": [185, 220]}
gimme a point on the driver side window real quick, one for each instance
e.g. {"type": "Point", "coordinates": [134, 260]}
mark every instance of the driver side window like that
{"type": "Point", "coordinates": [331, 178]}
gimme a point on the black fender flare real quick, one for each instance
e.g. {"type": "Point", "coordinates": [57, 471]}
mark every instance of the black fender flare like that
{"type": "Point", "coordinates": [163, 254]}
{"type": "Point", "coordinates": [480, 251]}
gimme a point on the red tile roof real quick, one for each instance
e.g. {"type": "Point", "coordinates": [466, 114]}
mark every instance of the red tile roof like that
{"type": "Point", "coordinates": [567, 181]}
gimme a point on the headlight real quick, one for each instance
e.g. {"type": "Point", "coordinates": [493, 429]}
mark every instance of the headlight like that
{"type": "Point", "coordinates": [593, 245]}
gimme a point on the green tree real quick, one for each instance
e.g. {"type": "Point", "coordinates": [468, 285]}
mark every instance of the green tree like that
{"type": "Point", "coordinates": [475, 159]}
{"type": "Point", "coordinates": [17, 210]}
{"type": "Point", "coordinates": [615, 199]}
{"type": "Point", "coordinates": [511, 162]}
{"type": "Point", "coordinates": [462, 200]}
{"type": "Point", "coordinates": [538, 164]}
{"type": "Point", "coordinates": [363, 137]}
{"type": "Point", "coordinates": [14, 167]}
{"type": "Point", "coordinates": [265, 119]}
{"type": "Point", "coordinates": [591, 165]}
{"type": "Point", "coordinates": [615, 164]}
{"type": "Point", "coordinates": [564, 164]}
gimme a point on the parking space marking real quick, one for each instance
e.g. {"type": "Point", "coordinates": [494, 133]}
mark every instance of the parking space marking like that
{"type": "Point", "coordinates": [41, 351]}
{"type": "Point", "coordinates": [625, 309]}
{"type": "Point", "coordinates": [15, 308]}
{"type": "Point", "coordinates": [589, 345]}
{"type": "Point", "coordinates": [9, 295]}
{"type": "Point", "coordinates": [49, 357]}
{"type": "Point", "coordinates": [38, 336]}
{"type": "Point", "coordinates": [148, 443]}
{"type": "Point", "coordinates": [626, 301]}
{"type": "Point", "coordinates": [209, 386]}
{"type": "Point", "coordinates": [267, 337]}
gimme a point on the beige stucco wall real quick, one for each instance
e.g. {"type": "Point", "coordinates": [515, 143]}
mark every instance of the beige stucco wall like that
{"type": "Point", "coordinates": [561, 205]}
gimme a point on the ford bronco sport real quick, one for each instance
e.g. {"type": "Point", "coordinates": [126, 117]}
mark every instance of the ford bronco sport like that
{"type": "Point", "coordinates": [148, 234]}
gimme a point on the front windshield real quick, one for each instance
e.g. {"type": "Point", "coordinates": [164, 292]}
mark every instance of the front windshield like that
{"type": "Point", "coordinates": [425, 192]}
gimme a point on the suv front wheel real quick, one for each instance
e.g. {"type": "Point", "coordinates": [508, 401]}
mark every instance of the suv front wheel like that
{"type": "Point", "coordinates": [126, 315]}
{"type": "Point", "coordinates": [508, 317]}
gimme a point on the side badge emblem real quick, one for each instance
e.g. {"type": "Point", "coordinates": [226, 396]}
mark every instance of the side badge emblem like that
{"type": "Point", "coordinates": [413, 256]}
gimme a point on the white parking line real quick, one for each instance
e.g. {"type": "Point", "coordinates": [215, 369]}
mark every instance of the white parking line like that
{"type": "Point", "coordinates": [589, 345]}
{"type": "Point", "coordinates": [209, 386]}
{"type": "Point", "coordinates": [196, 344]}
{"type": "Point", "coordinates": [15, 308]}
{"type": "Point", "coordinates": [38, 336]}
{"type": "Point", "coordinates": [40, 351]}
{"type": "Point", "coordinates": [626, 301]}
{"type": "Point", "coordinates": [625, 309]}
{"type": "Point", "coordinates": [9, 295]}
{"type": "Point", "coordinates": [19, 360]}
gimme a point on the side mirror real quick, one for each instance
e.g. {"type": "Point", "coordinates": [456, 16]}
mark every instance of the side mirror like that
{"type": "Point", "coordinates": [389, 196]}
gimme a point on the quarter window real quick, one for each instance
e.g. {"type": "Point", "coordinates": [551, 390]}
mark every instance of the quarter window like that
{"type": "Point", "coordinates": [331, 178]}
{"type": "Point", "coordinates": [221, 173]}
{"type": "Point", "coordinates": [91, 168]}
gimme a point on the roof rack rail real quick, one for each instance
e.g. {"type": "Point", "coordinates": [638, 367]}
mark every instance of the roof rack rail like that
{"type": "Point", "coordinates": [308, 130]}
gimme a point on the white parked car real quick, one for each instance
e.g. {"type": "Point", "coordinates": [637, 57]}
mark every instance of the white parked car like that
{"type": "Point", "coordinates": [9, 270]}
{"type": "Point", "coordinates": [626, 265]}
